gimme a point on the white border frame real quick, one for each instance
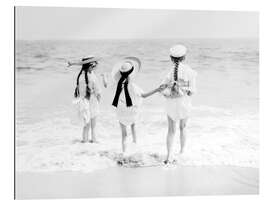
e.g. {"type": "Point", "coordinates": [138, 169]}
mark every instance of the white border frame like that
{"type": "Point", "coordinates": [7, 84]}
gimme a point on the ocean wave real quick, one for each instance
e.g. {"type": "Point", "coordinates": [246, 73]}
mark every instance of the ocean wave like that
{"type": "Point", "coordinates": [164, 61]}
{"type": "Point", "coordinates": [218, 137]}
{"type": "Point", "coordinates": [40, 56]}
{"type": "Point", "coordinates": [209, 57]}
{"type": "Point", "coordinates": [60, 58]}
{"type": "Point", "coordinates": [25, 68]}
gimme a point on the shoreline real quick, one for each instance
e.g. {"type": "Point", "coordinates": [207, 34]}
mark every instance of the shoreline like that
{"type": "Point", "coordinates": [139, 182]}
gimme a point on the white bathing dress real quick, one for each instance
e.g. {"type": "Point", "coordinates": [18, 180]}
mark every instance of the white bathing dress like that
{"type": "Point", "coordinates": [88, 109]}
{"type": "Point", "coordinates": [179, 108]}
{"type": "Point", "coordinates": [128, 115]}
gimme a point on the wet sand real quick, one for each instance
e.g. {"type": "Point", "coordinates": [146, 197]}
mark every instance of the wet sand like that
{"type": "Point", "coordinates": [139, 182]}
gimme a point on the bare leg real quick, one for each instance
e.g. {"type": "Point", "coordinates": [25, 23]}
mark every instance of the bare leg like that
{"type": "Point", "coordinates": [170, 136]}
{"type": "Point", "coordinates": [93, 129]}
{"type": "Point", "coordinates": [182, 127]}
{"type": "Point", "coordinates": [124, 137]}
{"type": "Point", "coordinates": [133, 131]}
{"type": "Point", "coordinates": [85, 133]}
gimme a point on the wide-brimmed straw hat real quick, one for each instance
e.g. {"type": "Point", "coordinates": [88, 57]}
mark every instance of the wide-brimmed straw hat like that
{"type": "Point", "coordinates": [91, 58]}
{"type": "Point", "coordinates": [125, 65]}
{"type": "Point", "coordinates": [178, 51]}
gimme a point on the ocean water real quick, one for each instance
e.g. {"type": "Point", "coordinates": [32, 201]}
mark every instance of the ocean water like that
{"type": "Point", "coordinates": [223, 128]}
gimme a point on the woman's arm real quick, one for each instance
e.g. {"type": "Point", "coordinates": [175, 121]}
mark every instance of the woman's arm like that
{"type": "Point", "coordinates": [71, 63]}
{"type": "Point", "coordinates": [104, 79]}
{"type": "Point", "coordinates": [192, 85]}
{"type": "Point", "coordinates": [144, 95]}
{"type": "Point", "coordinates": [159, 89]}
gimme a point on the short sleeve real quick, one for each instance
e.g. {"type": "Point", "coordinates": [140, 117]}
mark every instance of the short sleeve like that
{"type": "Point", "coordinates": [136, 95]}
{"type": "Point", "coordinates": [137, 90]}
{"type": "Point", "coordinates": [110, 80]}
{"type": "Point", "coordinates": [96, 84]}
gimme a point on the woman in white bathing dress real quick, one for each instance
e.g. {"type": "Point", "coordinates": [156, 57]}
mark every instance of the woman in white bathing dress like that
{"type": "Point", "coordinates": [181, 81]}
{"type": "Point", "coordinates": [128, 96]}
{"type": "Point", "coordinates": [88, 103]}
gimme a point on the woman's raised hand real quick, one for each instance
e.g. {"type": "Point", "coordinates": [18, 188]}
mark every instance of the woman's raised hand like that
{"type": "Point", "coordinates": [162, 87]}
{"type": "Point", "coordinates": [69, 64]}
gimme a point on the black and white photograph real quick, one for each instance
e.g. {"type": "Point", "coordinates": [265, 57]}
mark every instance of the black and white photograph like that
{"type": "Point", "coordinates": [118, 102]}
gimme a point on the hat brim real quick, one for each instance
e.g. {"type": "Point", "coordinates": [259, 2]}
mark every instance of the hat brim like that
{"type": "Point", "coordinates": [91, 59]}
{"type": "Point", "coordinates": [136, 63]}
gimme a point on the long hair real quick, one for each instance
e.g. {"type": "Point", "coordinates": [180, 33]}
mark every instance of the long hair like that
{"type": "Point", "coordinates": [85, 69]}
{"type": "Point", "coordinates": [87, 90]}
{"type": "Point", "coordinates": [176, 61]}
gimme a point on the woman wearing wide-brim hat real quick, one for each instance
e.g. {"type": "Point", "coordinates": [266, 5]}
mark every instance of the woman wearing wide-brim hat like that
{"type": "Point", "coordinates": [128, 96]}
{"type": "Point", "coordinates": [181, 81]}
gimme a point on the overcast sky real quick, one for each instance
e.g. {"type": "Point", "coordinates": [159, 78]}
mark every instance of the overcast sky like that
{"type": "Point", "coordinates": [93, 23]}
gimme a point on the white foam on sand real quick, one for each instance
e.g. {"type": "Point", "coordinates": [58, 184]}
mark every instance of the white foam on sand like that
{"type": "Point", "coordinates": [215, 137]}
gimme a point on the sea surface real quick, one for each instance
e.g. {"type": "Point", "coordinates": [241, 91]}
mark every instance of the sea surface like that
{"type": "Point", "coordinates": [223, 128]}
